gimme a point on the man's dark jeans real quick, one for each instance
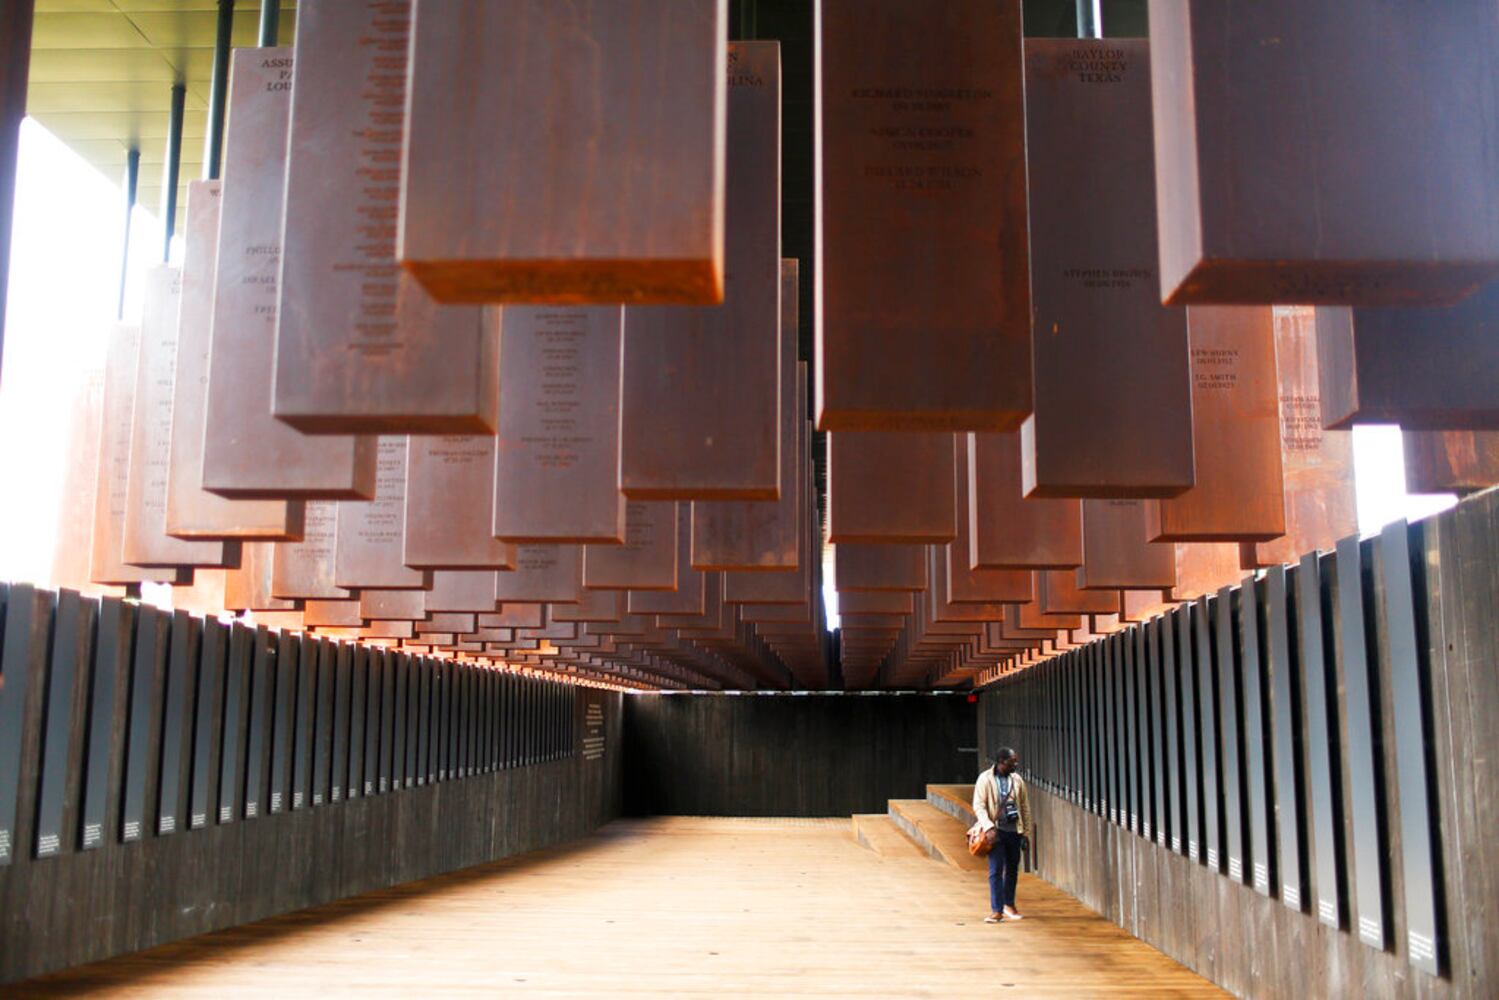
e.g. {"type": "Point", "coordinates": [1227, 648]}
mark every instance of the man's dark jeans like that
{"type": "Point", "coordinates": [1004, 869]}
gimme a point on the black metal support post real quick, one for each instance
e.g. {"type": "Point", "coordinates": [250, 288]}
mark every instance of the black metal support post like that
{"type": "Point", "coordinates": [132, 179]}
{"type": "Point", "coordinates": [172, 169]}
{"type": "Point", "coordinates": [270, 23]}
{"type": "Point", "coordinates": [15, 63]}
{"type": "Point", "coordinates": [1090, 18]}
{"type": "Point", "coordinates": [218, 91]}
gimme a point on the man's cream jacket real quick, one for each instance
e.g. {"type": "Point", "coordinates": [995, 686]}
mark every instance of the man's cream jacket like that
{"type": "Point", "coordinates": [986, 802]}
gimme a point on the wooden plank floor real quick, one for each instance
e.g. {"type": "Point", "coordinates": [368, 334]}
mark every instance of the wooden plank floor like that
{"type": "Point", "coordinates": [674, 907]}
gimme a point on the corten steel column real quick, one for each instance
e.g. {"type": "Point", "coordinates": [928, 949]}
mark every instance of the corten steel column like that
{"type": "Point", "coordinates": [132, 179]}
{"type": "Point", "coordinates": [15, 62]}
{"type": "Point", "coordinates": [172, 169]}
{"type": "Point", "coordinates": [270, 23]}
{"type": "Point", "coordinates": [218, 91]}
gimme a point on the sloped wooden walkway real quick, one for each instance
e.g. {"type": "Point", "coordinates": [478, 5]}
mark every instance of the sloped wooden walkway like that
{"type": "Point", "coordinates": [666, 907]}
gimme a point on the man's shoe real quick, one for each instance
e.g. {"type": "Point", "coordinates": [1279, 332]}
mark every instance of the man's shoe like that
{"type": "Point", "coordinates": [993, 918]}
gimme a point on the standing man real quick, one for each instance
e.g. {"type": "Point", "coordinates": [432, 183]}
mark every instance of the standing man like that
{"type": "Point", "coordinates": [1000, 803]}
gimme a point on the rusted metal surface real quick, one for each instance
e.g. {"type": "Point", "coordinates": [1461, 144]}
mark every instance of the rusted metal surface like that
{"type": "Point", "coordinates": [759, 534]}
{"type": "Point", "coordinates": [689, 595]}
{"type": "Point", "coordinates": [1057, 592]}
{"type": "Point", "coordinates": [304, 569]}
{"type": "Point", "coordinates": [247, 587]}
{"type": "Point", "coordinates": [393, 605]}
{"type": "Point", "coordinates": [648, 558]}
{"type": "Point", "coordinates": [542, 574]}
{"type": "Point", "coordinates": [1425, 369]}
{"type": "Point", "coordinates": [340, 614]}
{"type": "Point", "coordinates": [1112, 387]}
{"type": "Point", "coordinates": [556, 470]}
{"type": "Point", "coordinates": [1317, 465]}
{"type": "Point", "coordinates": [584, 172]}
{"type": "Point", "coordinates": [112, 480]}
{"type": "Point", "coordinates": [923, 307]}
{"type": "Point", "coordinates": [591, 606]}
{"type": "Point", "coordinates": [450, 484]}
{"type": "Point", "coordinates": [192, 511]}
{"type": "Point", "coordinates": [74, 536]}
{"type": "Point", "coordinates": [1205, 568]}
{"type": "Point", "coordinates": [1329, 180]}
{"type": "Point", "coordinates": [787, 587]}
{"type": "Point", "coordinates": [145, 541]}
{"type": "Point", "coordinates": [360, 345]}
{"type": "Point", "coordinates": [371, 533]}
{"type": "Point", "coordinates": [1116, 553]}
{"type": "Point", "coordinates": [888, 487]}
{"type": "Point", "coordinates": [1450, 461]}
{"type": "Point", "coordinates": [247, 452]}
{"type": "Point", "coordinates": [1239, 493]}
{"type": "Point", "coordinates": [1008, 530]}
{"type": "Point", "coordinates": [964, 583]}
{"type": "Point", "coordinates": [688, 432]}
{"type": "Point", "coordinates": [467, 590]}
{"type": "Point", "coordinates": [880, 567]}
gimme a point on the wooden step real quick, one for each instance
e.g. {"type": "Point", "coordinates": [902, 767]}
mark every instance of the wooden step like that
{"type": "Point", "coordinates": [936, 832]}
{"type": "Point", "coordinates": [955, 800]}
{"type": "Point", "coordinates": [876, 832]}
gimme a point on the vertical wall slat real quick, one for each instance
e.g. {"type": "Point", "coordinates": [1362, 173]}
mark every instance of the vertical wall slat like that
{"type": "Point", "coordinates": [1364, 764]}
{"type": "Point", "coordinates": [1325, 792]}
{"type": "Point", "coordinates": [70, 655]}
{"type": "Point", "coordinates": [1415, 804]}
{"type": "Point", "coordinates": [1286, 730]}
{"type": "Point", "coordinates": [1256, 760]}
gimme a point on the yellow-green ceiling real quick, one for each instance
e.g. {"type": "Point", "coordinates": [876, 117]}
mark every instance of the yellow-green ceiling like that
{"type": "Point", "coordinates": [102, 74]}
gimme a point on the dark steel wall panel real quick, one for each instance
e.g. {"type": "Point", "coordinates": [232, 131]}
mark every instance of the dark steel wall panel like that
{"type": "Point", "coordinates": [1191, 732]}
{"type": "Point", "coordinates": [283, 731]}
{"type": "Point", "coordinates": [398, 735]}
{"type": "Point", "coordinates": [1156, 752]}
{"type": "Point", "coordinates": [767, 756]}
{"type": "Point", "coordinates": [176, 724]}
{"type": "Point", "coordinates": [304, 718]}
{"type": "Point", "coordinates": [1256, 741]}
{"type": "Point", "coordinates": [1131, 751]}
{"type": "Point", "coordinates": [147, 661]}
{"type": "Point", "coordinates": [234, 754]}
{"type": "Point", "coordinates": [1419, 860]}
{"type": "Point", "coordinates": [71, 626]}
{"type": "Point", "coordinates": [104, 752]}
{"type": "Point", "coordinates": [1113, 713]}
{"type": "Point", "coordinates": [263, 674]}
{"type": "Point", "coordinates": [374, 685]}
{"type": "Point", "coordinates": [358, 720]}
{"type": "Point", "coordinates": [1286, 726]}
{"type": "Point", "coordinates": [425, 770]}
{"type": "Point", "coordinates": [413, 705]}
{"type": "Point", "coordinates": [1319, 687]}
{"type": "Point", "coordinates": [322, 721]}
{"type": "Point", "coordinates": [1206, 627]}
{"type": "Point", "coordinates": [1171, 761]}
{"type": "Point", "coordinates": [1365, 756]}
{"type": "Point", "coordinates": [386, 760]}
{"type": "Point", "coordinates": [208, 728]}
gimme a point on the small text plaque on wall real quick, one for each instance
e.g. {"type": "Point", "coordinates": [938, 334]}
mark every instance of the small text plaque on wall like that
{"type": "Point", "coordinates": [593, 727]}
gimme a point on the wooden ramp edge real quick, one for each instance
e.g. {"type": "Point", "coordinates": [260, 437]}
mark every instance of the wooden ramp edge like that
{"type": "Point", "coordinates": [939, 834]}
{"type": "Point", "coordinates": [955, 800]}
{"type": "Point", "coordinates": [876, 832]}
